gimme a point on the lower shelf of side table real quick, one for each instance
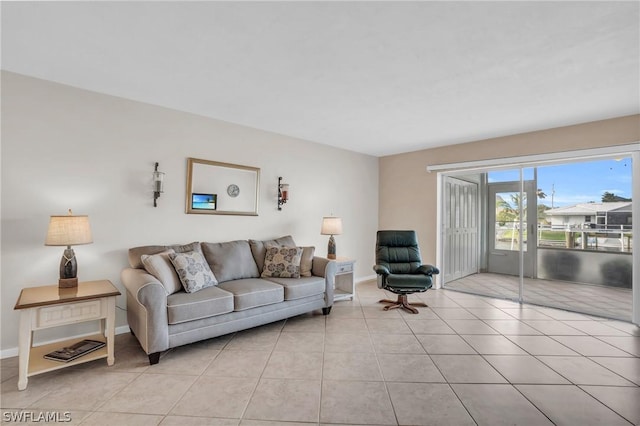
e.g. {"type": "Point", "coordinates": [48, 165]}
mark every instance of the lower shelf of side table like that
{"type": "Point", "coordinates": [341, 295]}
{"type": "Point", "coordinates": [38, 364]}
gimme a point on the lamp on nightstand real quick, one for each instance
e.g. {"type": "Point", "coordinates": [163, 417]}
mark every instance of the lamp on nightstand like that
{"type": "Point", "coordinates": [331, 226]}
{"type": "Point", "coordinates": [68, 231]}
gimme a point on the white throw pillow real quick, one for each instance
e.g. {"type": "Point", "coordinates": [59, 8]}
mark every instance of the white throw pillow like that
{"type": "Point", "coordinates": [306, 261]}
{"type": "Point", "coordinates": [193, 271]}
{"type": "Point", "coordinates": [161, 267]}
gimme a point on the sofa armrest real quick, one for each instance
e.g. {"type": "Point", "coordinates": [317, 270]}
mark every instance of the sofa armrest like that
{"type": "Point", "coordinates": [147, 309]}
{"type": "Point", "coordinates": [323, 267]}
{"type": "Point", "coordinates": [318, 266]}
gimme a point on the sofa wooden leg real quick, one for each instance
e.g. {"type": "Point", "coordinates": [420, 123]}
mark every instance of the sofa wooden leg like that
{"type": "Point", "coordinates": [326, 311]}
{"type": "Point", "coordinates": [154, 358]}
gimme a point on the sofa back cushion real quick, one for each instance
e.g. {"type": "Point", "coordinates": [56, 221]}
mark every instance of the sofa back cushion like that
{"type": "Point", "coordinates": [135, 253]}
{"type": "Point", "coordinates": [259, 248]}
{"type": "Point", "coordinates": [231, 260]}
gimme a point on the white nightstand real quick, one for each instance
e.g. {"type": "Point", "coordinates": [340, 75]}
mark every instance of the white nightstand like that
{"type": "Point", "coordinates": [50, 306]}
{"type": "Point", "coordinates": [344, 287]}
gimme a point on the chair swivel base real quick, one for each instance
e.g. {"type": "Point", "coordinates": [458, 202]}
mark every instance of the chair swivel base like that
{"type": "Point", "coordinates": [403, 303]}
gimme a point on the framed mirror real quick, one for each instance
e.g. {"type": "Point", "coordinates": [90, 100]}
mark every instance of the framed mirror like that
{"type": "Point", "coordinates": [221, 188]}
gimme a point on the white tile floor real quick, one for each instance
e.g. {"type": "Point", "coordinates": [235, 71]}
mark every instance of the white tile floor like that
{"type": "Point", "coordinates": [465, 360]}
{"type": "Point", "coordinates": [609, 302]}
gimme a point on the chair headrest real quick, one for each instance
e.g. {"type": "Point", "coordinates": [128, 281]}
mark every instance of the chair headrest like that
{"type": "Point", "coordinates": [397, 238]}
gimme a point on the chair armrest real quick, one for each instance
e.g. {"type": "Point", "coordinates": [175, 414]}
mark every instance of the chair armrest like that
{"type": "Point", "coordinates": [381, 270]}
{"type": "Point", "coordinates": [427, 270]}
{"type": "Point", "coordinates": [147, 309]}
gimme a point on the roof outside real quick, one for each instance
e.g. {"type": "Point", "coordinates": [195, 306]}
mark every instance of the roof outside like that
{"type": "Point", "coordinates": [590, 208]}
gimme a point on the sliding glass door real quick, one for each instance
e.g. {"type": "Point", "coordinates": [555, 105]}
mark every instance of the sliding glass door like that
{"type": "Point", "coordinates": [510, 213]}
{"type": "Point", "coordinates": [558, 235]}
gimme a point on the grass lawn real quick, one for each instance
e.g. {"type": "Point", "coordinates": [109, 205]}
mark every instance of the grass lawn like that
{"type": "Point", "coordinates": [552, 235]}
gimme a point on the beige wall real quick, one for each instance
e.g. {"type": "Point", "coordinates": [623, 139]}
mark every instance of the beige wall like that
{"type": "Point", "coordinates": [64, 147]}
{"type": "Point", "coordinates": [408, 192]}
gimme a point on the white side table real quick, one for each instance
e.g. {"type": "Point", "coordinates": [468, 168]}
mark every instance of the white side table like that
{"type": "Point", "coordinates": [344, 285]}
{"type": "Point", "coordinates": [51, 306]}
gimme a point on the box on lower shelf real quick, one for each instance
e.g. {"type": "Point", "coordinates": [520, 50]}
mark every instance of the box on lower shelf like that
{"type": "Point", "coordinates": [74, 351]}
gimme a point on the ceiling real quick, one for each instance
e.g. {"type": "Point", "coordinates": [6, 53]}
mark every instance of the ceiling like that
{"type": "Point", "coordinates": [373, 77]}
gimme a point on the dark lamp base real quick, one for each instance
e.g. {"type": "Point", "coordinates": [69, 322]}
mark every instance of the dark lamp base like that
{"type": "Point", "coordinates": [68, 282]}
{"type": "Point", "coordinates": [331, 249]}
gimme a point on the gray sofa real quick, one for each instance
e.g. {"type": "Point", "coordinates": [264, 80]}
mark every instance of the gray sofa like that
{"type": "Point", "coordinates": [162, 315]}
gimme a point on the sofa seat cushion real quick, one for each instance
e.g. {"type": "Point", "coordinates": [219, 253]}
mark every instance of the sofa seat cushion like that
{"type": "Point", "coordinates": [252, 292]}
{"type": "Point", "coordinates": [297, 288]}
{"type": "Point", "coordinates": [208, 302]}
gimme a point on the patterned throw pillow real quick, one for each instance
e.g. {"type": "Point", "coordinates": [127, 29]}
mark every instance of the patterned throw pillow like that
{"type": "Point", "coordinates": [282, 262]}
{"type": "Point", "coordinates": [193, 271]}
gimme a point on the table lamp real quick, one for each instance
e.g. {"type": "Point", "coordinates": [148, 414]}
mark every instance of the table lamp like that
{"type": "Point", "coordinates": [68, 231]}
{"type": "Point", "coordinates": [331, 226]}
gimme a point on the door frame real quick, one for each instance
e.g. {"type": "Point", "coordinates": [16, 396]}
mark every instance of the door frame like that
{"type": "Point", "coordinates": [453, 169]}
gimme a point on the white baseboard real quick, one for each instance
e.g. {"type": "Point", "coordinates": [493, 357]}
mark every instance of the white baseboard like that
{"type": "Point", "coordinates": [363, 279]}
{"type": "Point", "coordinates": [123, 329]}
{"type": "Point", "coordinates": [11, 352]}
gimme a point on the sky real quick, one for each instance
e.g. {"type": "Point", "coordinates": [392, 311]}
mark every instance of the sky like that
{"type": "Point", "coordinates": [575, 183]}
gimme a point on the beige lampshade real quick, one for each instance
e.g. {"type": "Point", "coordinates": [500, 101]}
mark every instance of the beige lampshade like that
{"type": "Point", "coordinates": [331, 226]}
{"type": "Point", "coordinates": [69, 230]}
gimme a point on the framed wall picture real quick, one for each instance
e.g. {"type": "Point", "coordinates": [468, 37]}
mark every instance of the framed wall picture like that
{"type": "Point", "coordinates": [221, 188]}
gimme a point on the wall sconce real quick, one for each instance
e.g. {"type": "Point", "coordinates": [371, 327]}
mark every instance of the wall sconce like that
{"type": "Point", "coordinates": [283, 193]}
{"type": "Point", "coordinates": [68, 231]}
{"type": "Point", "coordinates": [158, 185]}
{"type": "Point", "coordinates": [331, 225]}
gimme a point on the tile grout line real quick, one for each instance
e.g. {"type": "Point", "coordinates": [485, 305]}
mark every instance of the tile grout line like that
{"type": "Point", "coordinates": [259, 378]}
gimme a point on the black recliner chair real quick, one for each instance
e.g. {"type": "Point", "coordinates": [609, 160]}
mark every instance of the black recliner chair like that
{"type": "Point", "coordinates": [400, 269]}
